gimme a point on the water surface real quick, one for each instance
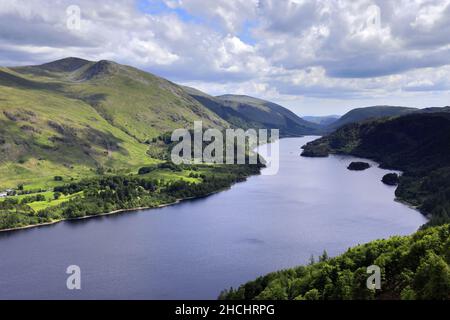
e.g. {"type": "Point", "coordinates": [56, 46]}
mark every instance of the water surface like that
{"type": "Point", "coordinates": [195, 249]}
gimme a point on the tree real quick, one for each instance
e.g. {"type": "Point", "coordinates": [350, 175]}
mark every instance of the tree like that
{"type": "Point", "coordinates": [324, 256]}
{"type": "Point", "coordinates": [275, 291]}
{"type": "Point", "coordinates": [408, 294]}
{"type": "Point", "coordinates": [312, 294]}
{"type": "Point", "coordinates": [432, 280]}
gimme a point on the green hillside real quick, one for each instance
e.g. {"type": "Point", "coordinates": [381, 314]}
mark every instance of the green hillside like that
{"type": "Point", "coordinates": [248, 112]}
{"type": "Point", "coordinates": [141, 104]}
{"type": "Point", "coordinates": [72, 117]}
{"type": "Point", "coordinates": [368, 113]}
{"type": "Point", "coordinates": [80, 138]}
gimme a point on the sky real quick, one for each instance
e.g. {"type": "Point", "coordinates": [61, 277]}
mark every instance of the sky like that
{"type": "Point", "coordinates": [314, 57]}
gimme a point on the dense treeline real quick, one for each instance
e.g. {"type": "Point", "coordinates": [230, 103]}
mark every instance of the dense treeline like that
{"type": "Point", "coordinates": [417, 144]}
{"type": "Point", "coordinates": [14, 213]}
{"type": "Point", "coordinates": [164, 165]}
{"type": "Point", "coordinates": [412, 267]}
{"type": "Point", "coordinates": [110, 193]}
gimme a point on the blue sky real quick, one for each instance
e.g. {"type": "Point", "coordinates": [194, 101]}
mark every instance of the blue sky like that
{"type": "Point", "coordinates": [315, 57]}
{"type": "Point", "coordinates": [158, 7]}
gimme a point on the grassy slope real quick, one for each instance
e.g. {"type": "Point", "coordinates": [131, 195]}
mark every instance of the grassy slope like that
{"type": "Point", "coordinates": [73, 116]}
{"type": "Point", "coordinates": [91, 121]}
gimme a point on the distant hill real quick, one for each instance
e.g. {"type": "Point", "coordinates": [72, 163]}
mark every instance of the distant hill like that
{"type": "Point", "coordinates": [248, 112]}
{"type": "Point", "coordinates": [368, 113]}
{"type": "Point", "coordinates": [322, 120]}
{"type": "Point", "coordinates": [433, 110]}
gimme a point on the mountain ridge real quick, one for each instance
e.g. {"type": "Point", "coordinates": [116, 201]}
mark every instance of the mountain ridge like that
{"type": "Point", "coordinates": [369, 113]}
{"type": "Point", "coordinates": [249, 112]}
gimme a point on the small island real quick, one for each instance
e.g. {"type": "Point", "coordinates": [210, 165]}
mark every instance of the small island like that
{"type": "Point", "coordinates": [358, 166]}
{"type": "Point", "coordinates": [391, 179]}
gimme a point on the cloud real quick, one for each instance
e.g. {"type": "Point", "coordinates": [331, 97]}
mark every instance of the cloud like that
{"type": "Point", "coordinates": [357, 39]}
{"type": "Point", "coordinates": [278, 49]}
{"type": "Point", "coordinates": [230, 15]}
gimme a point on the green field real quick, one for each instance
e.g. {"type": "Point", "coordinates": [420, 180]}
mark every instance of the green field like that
{"type": "Point", "coordinates": [164, 184]}
{"type": "Point", "coordinates": [163, 175]}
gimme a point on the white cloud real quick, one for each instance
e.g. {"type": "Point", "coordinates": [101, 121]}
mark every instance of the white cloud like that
{"type": "Point", "coordinates": [231, 14]}
{"type": "Point", "coordinates": [289, 50]}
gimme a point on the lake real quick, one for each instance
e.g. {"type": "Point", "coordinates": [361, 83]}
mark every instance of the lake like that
{"type": "Point", "coordinates": [195, 249]}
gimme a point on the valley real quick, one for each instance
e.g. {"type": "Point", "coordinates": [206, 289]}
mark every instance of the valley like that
{"type": "Point", "coordinates": [74, 120]}
{"type": "Point", "coordinates": [199, 247]}
{"type": "Point", "coordinates": [81, 139]}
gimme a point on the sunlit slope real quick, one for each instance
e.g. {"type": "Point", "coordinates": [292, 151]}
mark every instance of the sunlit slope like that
{"type": "Point", "coordinates": [74, 117]}
{"type": "Point", "coordinates": [43, 134]}
{"type": "Point", "coordinates": [139, 103]}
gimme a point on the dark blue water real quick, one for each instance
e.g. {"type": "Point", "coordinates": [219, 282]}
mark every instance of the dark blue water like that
{"type": "Point", "coordinates": [197, 248]}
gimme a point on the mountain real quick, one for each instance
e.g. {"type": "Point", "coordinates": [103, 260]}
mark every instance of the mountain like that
{"type": "Point", "coordinates": [248, 112]}
{"type": "Point", "coordinates": [269, 115]}
{"type": "Point", "coordinates": [417, 144]}
{"type": "Point", "coordinates": [322, 120]}
{"type": "Point", "coordinates": [367, 113]}
{"type": "Point", "coordinates": [73, 116]}
{"type": "Point", "coordinates": [141, 104]}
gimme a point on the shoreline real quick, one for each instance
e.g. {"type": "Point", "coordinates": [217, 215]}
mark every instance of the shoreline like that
{"type": "Point", "coordinates": [177, 201]}
{"type": "Point", "coordinates": [396, 199]}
